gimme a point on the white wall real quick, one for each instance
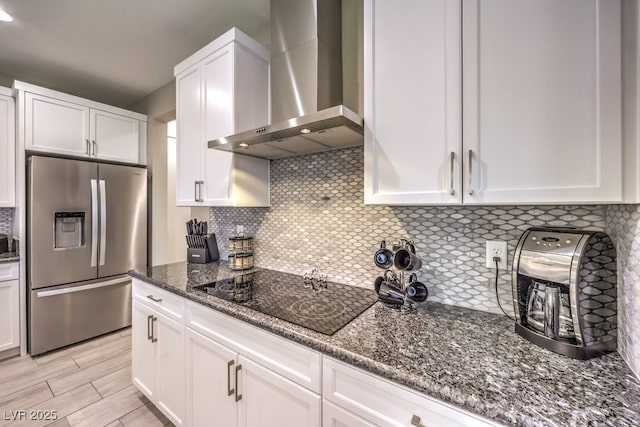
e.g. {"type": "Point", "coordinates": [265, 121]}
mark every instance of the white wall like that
{"type": "Point", "coordinates": [167, 226]}
{"type": "Point", "coordinates": [160, 107]}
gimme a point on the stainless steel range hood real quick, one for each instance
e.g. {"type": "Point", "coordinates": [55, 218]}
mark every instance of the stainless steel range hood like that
{"type": "Point", "coordinates": [307, 111]}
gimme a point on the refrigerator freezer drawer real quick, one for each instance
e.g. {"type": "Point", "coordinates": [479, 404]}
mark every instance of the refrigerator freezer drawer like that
{"type": "Point", "coordinates": [64, 315]}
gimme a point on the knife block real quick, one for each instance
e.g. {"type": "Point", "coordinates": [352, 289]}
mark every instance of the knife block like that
{"type": "Point", "coordinates": [198, 255]}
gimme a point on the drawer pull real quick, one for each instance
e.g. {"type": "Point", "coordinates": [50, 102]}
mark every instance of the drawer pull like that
{"type": "Point", "coordinates": [416, 421]}
{"type": "Point", "coordinates": [152, 298]}
{"type": "Point", "coordinates": [238, 395]}
{"type": "Point", "coordinates": [230, 391]}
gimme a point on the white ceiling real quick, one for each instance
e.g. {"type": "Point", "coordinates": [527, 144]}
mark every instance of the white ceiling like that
{"type": "Point", "coordinates": [116, 51]}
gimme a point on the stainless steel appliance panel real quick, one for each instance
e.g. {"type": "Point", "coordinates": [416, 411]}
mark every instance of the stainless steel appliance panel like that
{"type": "Point", "coordinates": [61, 186]}
{"type": "Point", "coordinates": [123, 219]}
{"type": "Point", "coordinates": [64, 315]}
{"type": "Point", "coordinates": [548, 266]}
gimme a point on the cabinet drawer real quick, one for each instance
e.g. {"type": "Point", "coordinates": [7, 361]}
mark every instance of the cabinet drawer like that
{"type": "Point", "coordinates": [387, 404]}
{"type": "Point", "coordinates": [295, 362]}
{"type": "Point", "coordinates": [9, 271]}
{"type": "Point", "coordinates": [165, 302]}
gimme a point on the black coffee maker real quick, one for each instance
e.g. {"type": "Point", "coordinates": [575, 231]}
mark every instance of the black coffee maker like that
{"type": "Point", "coordinates": [565, 291]}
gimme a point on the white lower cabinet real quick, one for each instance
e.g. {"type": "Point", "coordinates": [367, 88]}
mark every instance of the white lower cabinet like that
{"type": "Point", "coordinates": [158, 360]}
{"type": "Point", "coordinates": [201, 367]}
{"type": "Point", "coordinates": [371, 399]}
{"type": "Point", "coordinates": [210, 382]}
{"type": "Point", "coordinates": [143, 350]}
{"type": "Point", "coordinates": [335, 416]}
{"type": "Point", "coordinates": [170, 373]}
{"type": "Point", "coordinates": [270, 400]}
{"type": "Point", "coordinates": [244, 376]}
{"type": "Point", "coordinates": [9, 307]}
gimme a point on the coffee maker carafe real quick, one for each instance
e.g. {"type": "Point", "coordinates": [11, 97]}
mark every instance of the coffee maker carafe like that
{"type": "Point", "coordinates": [564, 291]}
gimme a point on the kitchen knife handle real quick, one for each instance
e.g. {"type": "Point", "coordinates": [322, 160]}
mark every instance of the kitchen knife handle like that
{"type": "Point", "coordinates": [416, 421]}
{"type": "Point", "coordinates": [238, 395]}
{"type": "Point", "coordinates": [230, 391]}
{"type": "Point", "coordinates": [471, 172]}
{"type": "Point", "coordinates": [149, 327]}
{"type": "Point", "coordinates": [453, 159]}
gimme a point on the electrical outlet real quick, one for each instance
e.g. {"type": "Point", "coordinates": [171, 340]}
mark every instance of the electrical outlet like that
{"type": "Point", "coordinates": [496, 248]}
{"type": "Point", "coordinates": [240, 230]}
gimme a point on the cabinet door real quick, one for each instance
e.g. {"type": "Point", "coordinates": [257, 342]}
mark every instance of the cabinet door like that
{"type": "Point", "coordinates": [56, 126]}
{"type": "Point", "coordinates": [335, 416]}
{"type": "Point", "coordinates": [189, 141]}
{"type": "Point", "coordinates": [9, 315]}
{"type": "Point", "coordinates": [7, 152]}
{"type": "Point", "coordinates": [218, 78]}
{"type": "Point", "coordinates": [170, 368]}
{"type": "Point", "coordinates": [115, 137]}
{"type": "Point", "coordinates": [542, 101]}
{"type": "Point", "coordinates": [210, 382]}
{"type": "Point", "coordinates": [143, 364]}
{"type": "Point", "coordinates": [387, 404]}
{"type": "Point", "coordinates": [269, 400]}
{"type": "Point", "coordinates": [412, 106]}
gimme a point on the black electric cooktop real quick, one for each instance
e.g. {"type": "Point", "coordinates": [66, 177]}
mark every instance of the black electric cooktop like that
{"type": "Point", "coordinates": [324, 307]}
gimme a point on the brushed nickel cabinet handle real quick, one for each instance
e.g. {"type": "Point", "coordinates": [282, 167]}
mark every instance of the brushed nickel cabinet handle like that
{"type": "Point", "coordinates": [153, 337]}
{"type": "Point", "coordinates": [416, 421]}
{"type": "Point", "coordinates": [149, 327]}
{"type": "Point", "coordinates": [154, 299]}
{"type": "Point", "coordinates": [198, 191]}
{"type": "Point", "coordinates": [95, 148]}
{"type": "Point", "coordinates": [470, 172]}
{"type": "Point", "coordinates": [195, 191]}
{"type": "Point", "coordinates": [88, 147]}
{"type": "Point", "coordinates": [230, 391]}
{"type": "Point", "coordinates": [238, 395]}
{"type": "Point", "coordinates": [453, 158]}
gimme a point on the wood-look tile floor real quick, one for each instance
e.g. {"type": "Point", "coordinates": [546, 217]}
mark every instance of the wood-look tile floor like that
{"type": "Point", "coordinates": [87, 384]}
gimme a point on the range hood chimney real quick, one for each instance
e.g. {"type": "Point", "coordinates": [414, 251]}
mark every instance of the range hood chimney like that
{"type": "Point", "coordinates": [307, 114]}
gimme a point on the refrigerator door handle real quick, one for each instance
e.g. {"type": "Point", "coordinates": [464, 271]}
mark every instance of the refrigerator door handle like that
{"type": "Point", "coordinates": [103, 221]}
{"type": "Point", "coordinates": [94, 223]}
{"type": "Point", "coordinates": [42, 294]}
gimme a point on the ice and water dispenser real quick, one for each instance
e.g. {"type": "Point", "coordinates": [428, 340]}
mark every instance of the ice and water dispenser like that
{"type": "Point", "coordinates": [69, 230]}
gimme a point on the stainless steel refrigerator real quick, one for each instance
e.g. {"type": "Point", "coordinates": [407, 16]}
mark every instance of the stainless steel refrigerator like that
{"type": "Point", "coordinates": [86, 228]}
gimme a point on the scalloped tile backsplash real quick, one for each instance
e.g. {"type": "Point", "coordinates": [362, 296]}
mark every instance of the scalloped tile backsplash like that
{"type": "Point", "coordinates": [6, 221]}
{"type": "Point", "coordinates": [318, 218]}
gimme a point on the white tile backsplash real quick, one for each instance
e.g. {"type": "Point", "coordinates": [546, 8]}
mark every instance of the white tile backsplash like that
{"type": "Point", "coordinates": [318, 218]}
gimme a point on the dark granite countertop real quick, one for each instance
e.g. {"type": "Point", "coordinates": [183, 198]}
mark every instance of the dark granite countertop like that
{"type": "Point", "coordinates": [9, 257]}
{"type": "Point", "coordinates": [471, 359]}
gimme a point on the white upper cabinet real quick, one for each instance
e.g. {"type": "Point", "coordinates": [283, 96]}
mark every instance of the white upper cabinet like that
{"type": "Point", "coordinates": [220, 90]}
{"type": "Point", "coordinates": [58, 123]}
{"type": "Point", "coordinates": [7, 149]}
{"type": "Point", "coordinates": [492, 102]}
{"type": "Point", "coordinates": [412, 110]}
{"type": "Point", "coordinates": [116, 137]}
{"type": "Point", "coordinates": [56, 126]}
{"type": "Point", "coordinates": [542, 101]}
